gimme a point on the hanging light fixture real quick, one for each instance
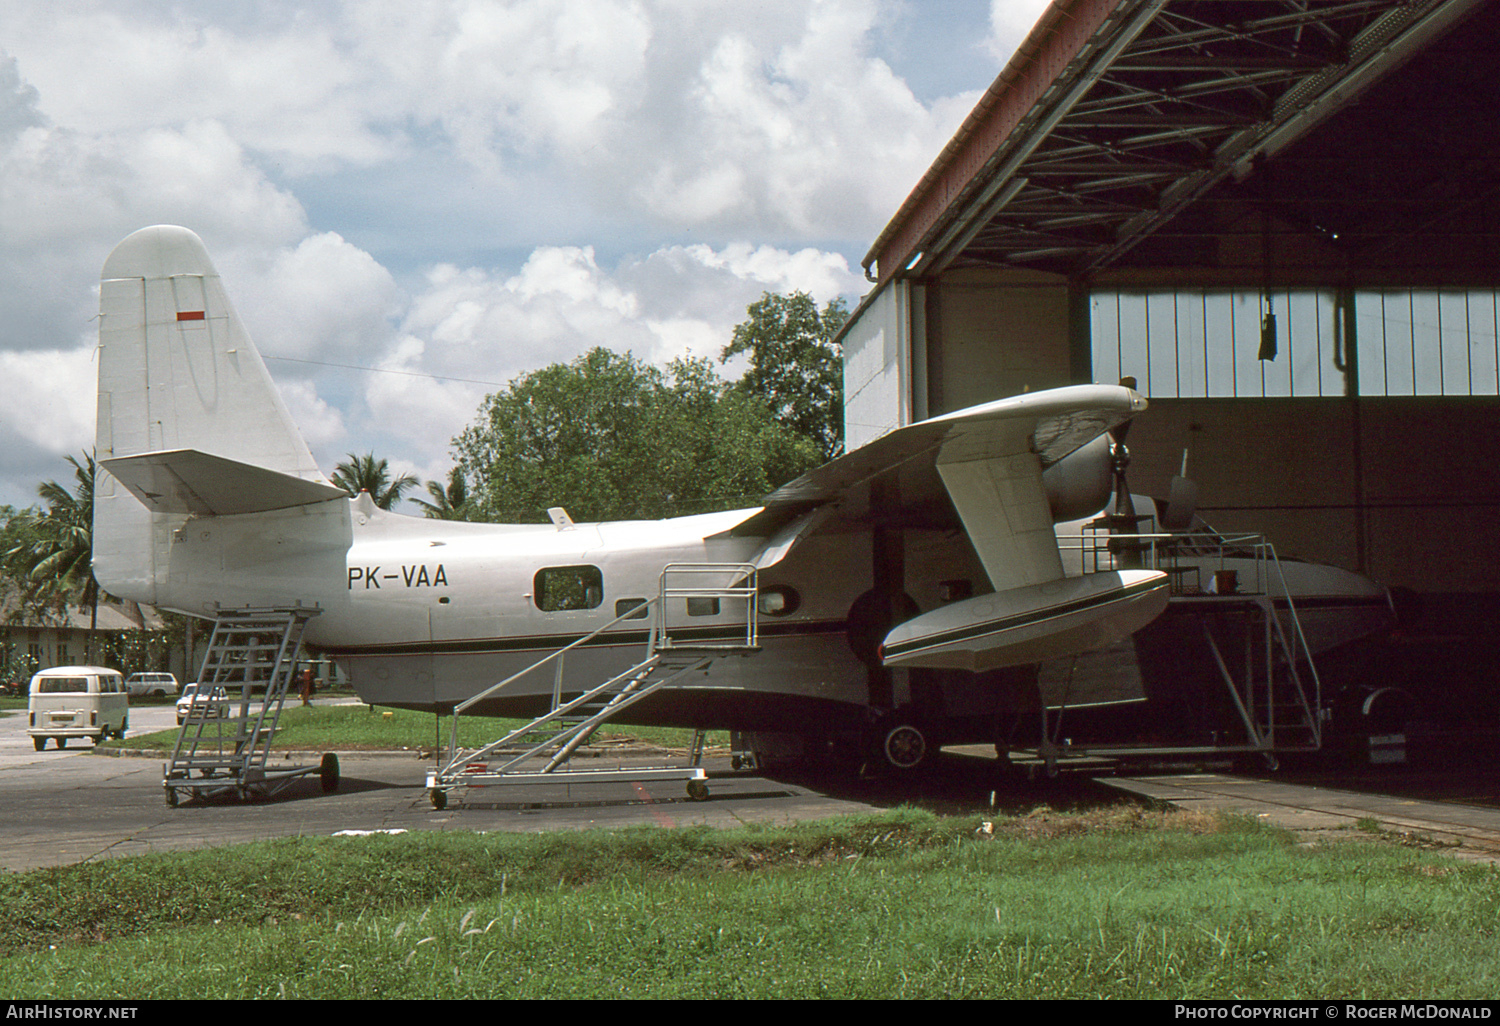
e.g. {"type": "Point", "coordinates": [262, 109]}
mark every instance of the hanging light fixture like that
{"type": "Point", "coordinates": [1268, 322]}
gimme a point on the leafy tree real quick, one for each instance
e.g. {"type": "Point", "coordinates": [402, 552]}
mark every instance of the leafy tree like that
{"type": "Point", "coordinates": [609, 437]}
{"type": "Point", "coordinates": [796, 368]}
{"type": "Point", "coordinates": [18, 534]}
{"type": "Point", "coordinates": [367, 474]}
{"type": "Point", "coordinates": [447, 503]}
{"type": "Point", "coordinates": [50, 553]}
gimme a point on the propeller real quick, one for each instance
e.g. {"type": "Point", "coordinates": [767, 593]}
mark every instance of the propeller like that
{"type": "Point", "coordinates": [1182, 500]}
{"type": "Point", "coordinates": [1123, 519]}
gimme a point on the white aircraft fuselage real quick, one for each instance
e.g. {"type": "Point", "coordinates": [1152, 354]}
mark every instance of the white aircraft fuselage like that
{"type": "Point", "coordinates": [209, 499]}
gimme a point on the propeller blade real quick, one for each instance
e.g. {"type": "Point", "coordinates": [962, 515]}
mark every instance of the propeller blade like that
{"type": "Point", "coordinates": [1123, 521]}
{"type": "Point", "coordinates": [1182, 502]}
{"type": "Point", "coordinates": [1119, 431]}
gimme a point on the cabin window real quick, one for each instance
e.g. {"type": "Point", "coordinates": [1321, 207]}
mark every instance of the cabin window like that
{"type": "Point", "coordinates": [778, 600]}
{"type": "Point", "coordinates": [638, 605]}
{"type": "Point", "coordinates": [559, 588]}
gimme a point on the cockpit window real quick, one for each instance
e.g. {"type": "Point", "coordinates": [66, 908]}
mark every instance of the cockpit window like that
{"type": "Point", "coordinates": [558, 588]}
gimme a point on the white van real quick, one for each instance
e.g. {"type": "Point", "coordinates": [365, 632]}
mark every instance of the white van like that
{"type": "Point", "coordinates": [77, 701]}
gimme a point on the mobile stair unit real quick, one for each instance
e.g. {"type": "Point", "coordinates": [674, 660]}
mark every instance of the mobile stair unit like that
{"type": "Point", "coordinates": [540, 751]}
{"type": "Point", "coordinates": [224, 742]}
{"type": "Point", "coordinates": [1256, 691]}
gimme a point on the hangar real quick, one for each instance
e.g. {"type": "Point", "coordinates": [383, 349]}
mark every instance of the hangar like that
{"type": "Point", "coordinates": [1280, 217]}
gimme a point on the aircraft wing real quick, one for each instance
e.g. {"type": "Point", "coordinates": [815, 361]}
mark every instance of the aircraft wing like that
{"type": "Point", "coordinates": [986, 460]}
{"type": "Point", "coordinates": [985, 464]}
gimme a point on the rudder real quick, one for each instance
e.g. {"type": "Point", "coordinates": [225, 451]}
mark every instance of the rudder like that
{"type": "Point", "coordinates": [177, 371]}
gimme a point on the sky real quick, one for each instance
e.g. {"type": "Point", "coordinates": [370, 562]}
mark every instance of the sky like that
{"type": "Point", "coordinates": [414, 202]}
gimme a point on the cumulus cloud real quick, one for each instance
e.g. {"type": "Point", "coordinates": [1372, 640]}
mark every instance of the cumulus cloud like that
{"type": "Point", "coordinates": [56, 412]}
{"type": "Point", "coordinates": [46, 413]}
{"type": "Point", "coordinates": [1010, 22]}
{"type": "Point", "coordinates": [563, 303]}
{"type": "Point", "coordinates": [793, 125]}
{"type": "Point", "coordinates": [284, 81]}
{"type": "Point", "coordinates": [321, 300]}
{"type": "Point", "coordinates": [670, 161]}
{"type": "Point", "coordinates": [322, 426]}
{"type": "Point", "coordinates": [470, 331]}
{"type": "Point", "coordinates": [773, 115]}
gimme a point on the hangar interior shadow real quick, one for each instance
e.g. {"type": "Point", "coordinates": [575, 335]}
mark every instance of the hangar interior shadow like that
{"type": "Point", "coordinates": [1283, 220]}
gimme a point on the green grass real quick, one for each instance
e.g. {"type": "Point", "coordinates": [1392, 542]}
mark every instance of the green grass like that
{"type": "Point", "coordinates": [1122, 903]}
{"type": "Point", "coordinates": [361, 728]}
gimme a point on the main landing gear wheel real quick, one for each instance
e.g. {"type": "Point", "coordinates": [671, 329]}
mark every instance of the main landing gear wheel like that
{"type": "Point", "coordinates": [905, 747]}
{"type": "Point", "coordinates": [328, 773]}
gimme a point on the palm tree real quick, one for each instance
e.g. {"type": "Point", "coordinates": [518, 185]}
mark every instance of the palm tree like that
{"type": "Point", "coordinates": [54, 556]}
{"type": "Point", "coordinates": [366, 474]}
{"type": "Point", "coordinates": [447, 503]}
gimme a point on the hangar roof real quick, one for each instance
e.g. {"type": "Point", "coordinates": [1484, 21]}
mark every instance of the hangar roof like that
{"type": "Point", "coordinates": [1151, 141]}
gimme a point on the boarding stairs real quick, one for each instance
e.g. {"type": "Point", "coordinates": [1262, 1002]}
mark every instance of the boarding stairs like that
{"type": "Point", "coordinates": [1265, 677]}
{"type": "Point", "coordinates": [540, 752]}
{"type": "Point", "coordinates": [224, 743]}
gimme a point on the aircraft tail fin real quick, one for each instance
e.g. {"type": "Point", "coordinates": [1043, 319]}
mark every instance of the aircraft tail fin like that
{"type": "Point", "coordinates": [177, 371]}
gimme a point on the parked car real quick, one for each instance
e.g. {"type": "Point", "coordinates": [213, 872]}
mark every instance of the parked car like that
{"type": "Point", "coordinates": [201, 703]}
{"type": "Point", "coordinates": [77, 701]}
{"type": "Point", "coordinates": [157, 685]}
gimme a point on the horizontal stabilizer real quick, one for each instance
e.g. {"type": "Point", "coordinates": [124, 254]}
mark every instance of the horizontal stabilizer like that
{"type": "Point", "coordinates": [1031, 624]}
{"type": "Point", "coordinates": [189, 481]}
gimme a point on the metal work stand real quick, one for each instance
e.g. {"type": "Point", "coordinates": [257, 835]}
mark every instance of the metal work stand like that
{"type": "Point", "coordinates": [539, 752]}
{"type": "Point", "coordinates": [225, 739]}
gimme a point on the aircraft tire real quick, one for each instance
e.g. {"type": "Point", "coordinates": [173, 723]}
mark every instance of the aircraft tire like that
{"type": "Point", "coordinates": [905, 746]}
{"type": "Point", "coordinates": [328, 773]}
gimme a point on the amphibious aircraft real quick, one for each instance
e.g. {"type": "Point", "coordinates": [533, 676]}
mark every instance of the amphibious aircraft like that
{"type": "Point", "coordinates": [894, 585]}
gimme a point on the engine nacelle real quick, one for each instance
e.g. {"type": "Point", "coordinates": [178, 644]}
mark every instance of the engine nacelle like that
{"type": "Point", "coordinates": [1079, 484]}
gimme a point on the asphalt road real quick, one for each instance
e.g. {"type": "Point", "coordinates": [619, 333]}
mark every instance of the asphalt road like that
{"type": "Point", "coordinates": [61, 807]}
